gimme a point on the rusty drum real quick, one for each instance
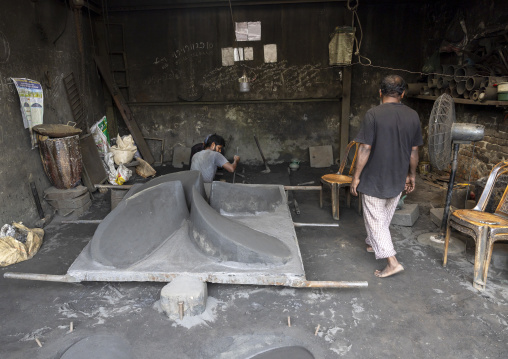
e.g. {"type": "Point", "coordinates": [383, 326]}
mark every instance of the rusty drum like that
{"type": "Point", "coordinates": [61, 158]}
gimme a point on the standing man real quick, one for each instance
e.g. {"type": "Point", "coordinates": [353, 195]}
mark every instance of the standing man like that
{"type": "Point", "coordinates": [386, 165]}
{"type": "Point", "coordinates": [210, 158]}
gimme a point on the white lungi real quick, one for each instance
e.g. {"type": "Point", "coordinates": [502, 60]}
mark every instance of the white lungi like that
{"type": "Point", "coordinates": [377, 214]}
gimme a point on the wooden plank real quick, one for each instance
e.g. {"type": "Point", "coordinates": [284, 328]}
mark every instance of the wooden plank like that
{"type": "Point", "coordinates": [464, 101]}
{"type": "Point", "coordinates": [124, 109]}
{"type": "Point", "coordinates": [93, 170]}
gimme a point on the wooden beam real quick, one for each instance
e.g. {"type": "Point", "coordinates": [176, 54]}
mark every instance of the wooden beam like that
{"type": "Point", "coordinates": [125, 111]}
{"type": "Point", "coordinates": [346, 109]}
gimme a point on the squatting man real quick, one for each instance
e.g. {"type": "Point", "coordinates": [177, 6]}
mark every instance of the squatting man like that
{"type": "Point", "coordinates": [210, 158]}
{"type": "Point", "coordinates": [386, 165]}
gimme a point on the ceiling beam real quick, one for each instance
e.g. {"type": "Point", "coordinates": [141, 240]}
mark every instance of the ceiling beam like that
{"type": "Point", "coordinates": [118, 6]}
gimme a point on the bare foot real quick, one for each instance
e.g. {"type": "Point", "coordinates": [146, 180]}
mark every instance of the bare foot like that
{"type": "Point", "coordinates": [369, 249]}
{"type": "Point", "coordinates": [389, 271]}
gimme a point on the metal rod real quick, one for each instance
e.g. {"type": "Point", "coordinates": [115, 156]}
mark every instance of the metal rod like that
{"type": "Point", "coordinates": [42, 277]}
{"type": "Point", "coordinates": [331, 284]}
{"type": "Point", "coordinates": [299, 224]}
{"type": "Point", "coordinates": [302, 188]}
{"type": "Point", "coordinates": [267, 169]}
{"type": "Point", "coordinates": [124, 186]}
{"type": "Point", "coordinates": [446, 212]}
{"type": "Point", "coordinates": [218, 103]}
{"type": "Point", "coordinates": [306, 183]}
{"type": "Point", "coordinates": [37, 201]}
{"type": "Point", "coordinates": [296, 284]}
{"type": "Point", "coordinates": [83, 221]}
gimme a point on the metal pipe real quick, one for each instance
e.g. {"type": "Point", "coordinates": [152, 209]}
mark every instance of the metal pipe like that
{"type": "Point", "coordinates": [473, 83]}
{"type": "Point", "coordinates": [42, 277]}
{"type": "Point", "coordinates": [218, 103]}
{"type": "Point", "coordinates": [302, 188]}
{"type": "Point", "coordinates": [446, 212]}
{"type": "Point", "coordinates": [124, 186]}
{"type": "Point", "coordinates": [296, 284]}
{"type": "Point", "coordinates": [299, 224]}
{"type": "Point", "coordinates": [331, 284]}
{"type": "Point", "coordinates": [83, 221]}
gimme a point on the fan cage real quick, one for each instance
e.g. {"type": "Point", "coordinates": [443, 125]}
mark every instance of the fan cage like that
{"type": "Point", "coordinates": [441, 121]}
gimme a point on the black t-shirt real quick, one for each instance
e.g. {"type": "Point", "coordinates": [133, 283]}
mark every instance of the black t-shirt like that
{"type": "Point", "coordinates": [392, 129]}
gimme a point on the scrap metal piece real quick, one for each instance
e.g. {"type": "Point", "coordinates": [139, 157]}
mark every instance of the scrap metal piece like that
{"type": "Point", "coordinates": [297, 208]}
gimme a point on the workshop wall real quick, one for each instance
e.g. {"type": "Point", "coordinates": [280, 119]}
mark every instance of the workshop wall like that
{"type": "Point", "coordinates": [180, 91]}
{"type": "Point", "coordinates": [37, 41]}
{"type": "Point", "coordinates": [484, 21]}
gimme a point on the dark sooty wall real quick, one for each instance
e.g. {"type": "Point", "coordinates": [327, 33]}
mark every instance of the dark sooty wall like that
{"type": "Point", "coordinates": [175, 60]}
{"type": "Point", "coordinates": [37, 41]}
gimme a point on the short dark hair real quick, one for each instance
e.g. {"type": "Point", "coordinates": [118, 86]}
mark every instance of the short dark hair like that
{"type": "Point", "coordinates": [392, 86]}
{"type": "Point", "coordinates": [215, 138]}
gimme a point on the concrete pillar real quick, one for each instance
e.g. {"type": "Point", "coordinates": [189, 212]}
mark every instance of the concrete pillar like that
{"type": "Point", "coordinates": [184, 292]}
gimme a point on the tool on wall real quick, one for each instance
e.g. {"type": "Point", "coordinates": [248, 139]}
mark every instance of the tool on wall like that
{"type": "Point", "coordinates": [267, 169]}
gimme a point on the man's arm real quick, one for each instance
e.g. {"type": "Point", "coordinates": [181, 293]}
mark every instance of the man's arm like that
{"type": "Point", "coordinates": [361, 161]}
{"type": "Point", "coordinates": [411, 174]}
{"type": "Point", "coordinates": [231, 167]}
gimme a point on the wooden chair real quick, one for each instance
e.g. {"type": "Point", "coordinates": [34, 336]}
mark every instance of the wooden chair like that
{"type": "Point", "coordinates": [339, 179]}
{"type": "Point", "coordinates": [485, 228]}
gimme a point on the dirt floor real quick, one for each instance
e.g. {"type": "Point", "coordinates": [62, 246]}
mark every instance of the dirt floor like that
{"type": "Point", "coordinates": [425, 312]}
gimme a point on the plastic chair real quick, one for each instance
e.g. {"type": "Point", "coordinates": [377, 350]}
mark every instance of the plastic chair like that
{"type": "Point", "coordinates": [485, 228]}
{"type": "Point", "coordinates": [338, 180]}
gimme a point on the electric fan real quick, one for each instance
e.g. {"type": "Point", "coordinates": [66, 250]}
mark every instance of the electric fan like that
{"type": "Point", "coordinates": [444, 134]}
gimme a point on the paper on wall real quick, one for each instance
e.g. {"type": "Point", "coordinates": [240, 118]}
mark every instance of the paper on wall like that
{"type": "Point", "coordinates": [32, 104]}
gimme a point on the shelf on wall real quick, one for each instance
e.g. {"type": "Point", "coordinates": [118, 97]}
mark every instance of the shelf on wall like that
{"type": "Point", "coordinates": [465, 101]}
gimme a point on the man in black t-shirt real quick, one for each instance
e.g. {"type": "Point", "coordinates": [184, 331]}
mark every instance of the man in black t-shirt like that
{"type": "Point", "coordinates": [386, 165]}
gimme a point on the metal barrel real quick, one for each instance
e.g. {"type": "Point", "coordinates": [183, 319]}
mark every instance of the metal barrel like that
{"type": "Point", "coordinates": [61, 160]}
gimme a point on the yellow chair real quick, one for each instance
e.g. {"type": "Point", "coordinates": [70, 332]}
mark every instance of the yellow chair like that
{"type": "Point", "coordinates": [485, 228]}
{"type": "Point", "coordinates": [338, 180]}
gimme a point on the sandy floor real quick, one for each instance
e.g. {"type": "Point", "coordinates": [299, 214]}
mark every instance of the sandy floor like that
{"type": "Point", "coordinates": [425, 312]}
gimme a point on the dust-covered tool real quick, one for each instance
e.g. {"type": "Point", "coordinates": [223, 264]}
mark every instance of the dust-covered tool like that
{"type": "Point", "coordinates": [267, 170]}
{"type": "Point", "coordinates": [234, 173]}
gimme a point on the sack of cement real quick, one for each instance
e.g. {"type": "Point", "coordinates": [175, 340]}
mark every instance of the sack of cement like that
{"type": "Point", "coordinates": [23, 245]}
{"type": "Point", "coordinates": [124, 150]}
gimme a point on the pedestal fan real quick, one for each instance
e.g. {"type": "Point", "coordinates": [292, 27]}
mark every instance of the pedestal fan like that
{"type": "Point", "coordinates": [444, 134]}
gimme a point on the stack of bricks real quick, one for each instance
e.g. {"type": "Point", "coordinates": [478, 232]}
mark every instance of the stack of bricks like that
{"type": "Point", "coordinates": [487, 153]}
